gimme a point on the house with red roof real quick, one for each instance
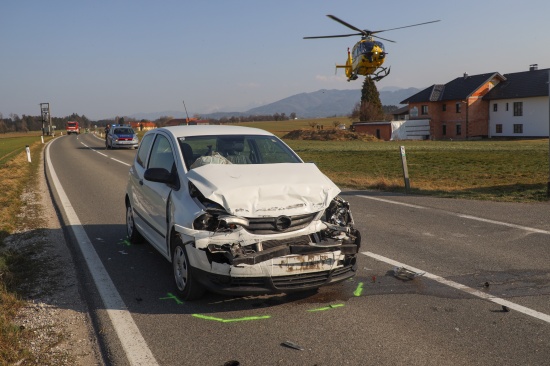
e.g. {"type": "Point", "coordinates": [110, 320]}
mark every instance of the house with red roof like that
{"type": "Point", "coordinates": [486, 105]}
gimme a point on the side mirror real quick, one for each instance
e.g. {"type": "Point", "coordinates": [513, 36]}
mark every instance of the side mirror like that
{"type": "Point", "coordinates": [161, 175]}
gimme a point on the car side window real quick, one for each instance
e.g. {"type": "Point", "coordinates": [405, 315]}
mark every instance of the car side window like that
{"type": "Point", "coordinates": [141, 157]}
{"type": "Point", "coordinates": [161, 154]}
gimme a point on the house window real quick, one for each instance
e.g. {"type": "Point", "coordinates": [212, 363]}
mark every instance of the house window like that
{"type": "Point", "coordinates": [444, 130]}
{"type": "Point", "coordinates": [506, 107]}
{"type": "Point", "coordinates": [495, 107]}
{"type": "Point", "coordinates": [518, 108]}
{"type": "Point", "coordinates": [444, 107]}
{"type": "Point", "coordinates": [498, 128]}
{"type": "Point", "coordinates": [458, 129]}
{"type": "Point", "coordinates": [458, 107]}
{"type": "Point", "coordinates": [424, 109]}
{"type": "Point", "coordinates": [518, 128]}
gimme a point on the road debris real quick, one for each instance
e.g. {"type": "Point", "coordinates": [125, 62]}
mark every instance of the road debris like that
{"type": "Point", "coordinates": [292, 345]}
{"type": "Point", "coordinates": [405, 274]}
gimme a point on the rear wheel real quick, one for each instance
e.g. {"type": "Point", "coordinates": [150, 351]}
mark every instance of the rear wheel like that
{"type": "Point", "coordinates": [187, 287]}
{"type": "Point", "coordinates": [133, 235]}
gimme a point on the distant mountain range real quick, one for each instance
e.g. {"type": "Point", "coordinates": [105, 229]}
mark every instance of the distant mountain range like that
{"type": "Point", "coordinates": [322, 103]}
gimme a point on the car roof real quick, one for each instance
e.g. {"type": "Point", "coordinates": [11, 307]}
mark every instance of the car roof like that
{"type": "Point", "coordinates": [205, 130]}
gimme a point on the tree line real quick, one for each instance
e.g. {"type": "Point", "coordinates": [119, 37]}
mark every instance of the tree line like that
{"type": "Point", "coordinates": [25, 123]}
{"type": "Point", "coordinates": [368, 109]}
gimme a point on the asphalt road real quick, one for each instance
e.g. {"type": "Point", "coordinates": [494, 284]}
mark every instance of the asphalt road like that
{"type": "Point", "coordinates": [471, 257]}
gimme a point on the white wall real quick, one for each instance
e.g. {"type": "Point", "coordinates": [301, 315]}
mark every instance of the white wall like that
{"type": "Point", "coordinates": [535, 117]}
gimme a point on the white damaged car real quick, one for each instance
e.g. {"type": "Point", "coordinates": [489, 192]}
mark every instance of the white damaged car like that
{"type": "Point", "coordinates": [237, 212]}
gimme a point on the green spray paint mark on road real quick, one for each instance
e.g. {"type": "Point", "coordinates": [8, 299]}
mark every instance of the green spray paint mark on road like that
{"type": "Point", "coordinates": [359, 289]}
{"type": "Point", "coordinates": [328, 307]}
{"type": "Point", "coordinates": [125, 242]}
{"type": "Point", "coordinates": [172, 297]}
{"type": "Point", "coordinates": [221, 320]}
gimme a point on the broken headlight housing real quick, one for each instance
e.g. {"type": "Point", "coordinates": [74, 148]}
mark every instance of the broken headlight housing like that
{"type": "Point", "coordinates": [218, 221]}
{"type": "Point", "coordinates": [215, 218]}
{"type": "Point", "coordinates": [338, 213]}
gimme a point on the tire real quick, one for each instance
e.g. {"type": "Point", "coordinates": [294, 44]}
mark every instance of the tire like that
{"type": "Point", "coordinates": [133, 234]}
{"type": "Point", "coordinates": [187, 287]}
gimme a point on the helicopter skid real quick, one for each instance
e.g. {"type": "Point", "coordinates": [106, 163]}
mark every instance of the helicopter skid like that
{"type": "Point", "coordinates": [382, 73]}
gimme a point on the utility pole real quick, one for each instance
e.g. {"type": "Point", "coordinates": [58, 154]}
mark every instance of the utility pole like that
{"type": "Point", "coordinates": [187, 114]}
{"type": "Point", "coordinates": [46, 117]}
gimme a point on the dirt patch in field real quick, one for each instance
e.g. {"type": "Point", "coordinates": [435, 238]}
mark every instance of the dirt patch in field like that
{"type": "Point", "coordinates": [332, 134]}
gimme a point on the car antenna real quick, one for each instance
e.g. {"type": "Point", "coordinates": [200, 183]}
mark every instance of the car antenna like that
{"type": "Point", "coordinates": [187, 120]}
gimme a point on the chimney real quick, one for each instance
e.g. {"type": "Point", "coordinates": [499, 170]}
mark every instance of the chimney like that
{"type": "Point", "coordinates": [533, 67]}
{"type": "Point", "coordinates": [465, 75]}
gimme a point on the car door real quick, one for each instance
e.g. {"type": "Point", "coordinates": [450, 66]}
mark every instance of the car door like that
{"type": "Point", "coordinates": [135, 187]}
{"type": "Point", "coordinates": [156, 196]}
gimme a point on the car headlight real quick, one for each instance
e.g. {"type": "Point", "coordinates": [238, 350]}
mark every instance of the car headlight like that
{"type": "Point", "coordinates": [211, 221]}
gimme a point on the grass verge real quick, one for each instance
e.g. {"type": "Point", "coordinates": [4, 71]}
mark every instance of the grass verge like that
{"type": "Point", "coordinates": [16, 174]}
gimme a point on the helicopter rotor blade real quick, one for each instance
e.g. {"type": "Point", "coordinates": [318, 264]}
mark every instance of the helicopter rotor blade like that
{"type": "Point", "coordinates": [365, 32]}
{"type": "Point", "coordinates": [385, 39]}
{"type": "Point", "coordinates": [336, 36]}
{"type": "Point", "coordinates": [407, 26]}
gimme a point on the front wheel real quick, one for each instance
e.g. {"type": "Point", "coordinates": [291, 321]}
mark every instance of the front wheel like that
{"type": "Point", "coordinates": [187, 287]}
{"type": "Point", "coordinates": [133, 235]}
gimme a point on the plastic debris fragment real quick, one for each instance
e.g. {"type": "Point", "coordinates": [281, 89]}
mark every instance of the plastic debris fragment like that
{"type": "Point", "coordinates": [405, 274]}
{"type": "Point", "coordinates": [292, 345]}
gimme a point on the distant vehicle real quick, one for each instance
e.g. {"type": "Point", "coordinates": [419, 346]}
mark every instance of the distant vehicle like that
{"type": "Point", "coordinates": [237, 212]}
{"type": "Point", "coordinates": [121, 136]}
{"type": "Point", "coordinates": [367, 55]}
{"type": "Point", "coordinates": [72, 127]}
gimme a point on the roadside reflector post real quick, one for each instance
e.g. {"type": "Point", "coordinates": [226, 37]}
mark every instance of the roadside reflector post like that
{"type": "Point", "coordinates": [28, 153]}
{"type": "Point", "coordinates": [405, 169]}
{"type": "Point", "coordinates": [42, 138]}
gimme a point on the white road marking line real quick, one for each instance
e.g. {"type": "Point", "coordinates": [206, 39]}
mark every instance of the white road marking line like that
{"type": "Point", "coordinates": [461, 287]}
{"type": "Point", "coordinates": [530, 229]}
{"type": "Point", "coordinates": [469, 217]}
{"type": "Point", "coordinates": [121, 162]}
{"type": "Point", "coordinates": [135, 347]}
{"type": "Point", "coordinates": [107, 156]}
{"type": "Point", "coordinates": [390, 201]}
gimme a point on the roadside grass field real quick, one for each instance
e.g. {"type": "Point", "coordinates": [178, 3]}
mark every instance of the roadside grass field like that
{"type": "Point", "coordinates": [500, 170]}
{"type": "Point", "coordinates": [16, 174]}
{"type": "Point", "coordinates": [12, 144]}
{"type": "Point", "coordinates": [281, 128]}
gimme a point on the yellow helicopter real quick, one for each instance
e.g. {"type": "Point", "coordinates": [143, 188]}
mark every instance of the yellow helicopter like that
{"type": "Point", "coordinates": [368, 55]}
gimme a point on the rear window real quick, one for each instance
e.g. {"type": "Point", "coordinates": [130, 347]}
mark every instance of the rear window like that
{"type": "Point", "coordinates": [123, 131]}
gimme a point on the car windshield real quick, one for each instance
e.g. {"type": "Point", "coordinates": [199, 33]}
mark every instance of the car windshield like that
{"type": "Point", "coordinates": [123, 131]}
{"type": "Point", "coordinates": [235, 149]}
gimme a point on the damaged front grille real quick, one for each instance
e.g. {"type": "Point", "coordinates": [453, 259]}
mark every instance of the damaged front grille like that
{"type": "Point", "coordinates": [273, 225]}
{"type": "Point", "coordinates": [285, 283]}
{"type": "Point", "coordinates": [309, 280]}
{"type": "Point", "coordinates": [300, 240]}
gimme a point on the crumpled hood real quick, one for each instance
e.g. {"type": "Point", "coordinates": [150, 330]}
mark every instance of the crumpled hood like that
{"type": "Point", "coordinates": [256, 190]}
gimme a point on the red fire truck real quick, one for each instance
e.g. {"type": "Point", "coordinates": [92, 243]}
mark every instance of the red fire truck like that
{"type": "Point", "coordinates": [72, 127]}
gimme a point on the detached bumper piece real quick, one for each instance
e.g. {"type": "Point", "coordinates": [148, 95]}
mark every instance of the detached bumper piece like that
{"type": "Point", "coordinates": [262, 285]}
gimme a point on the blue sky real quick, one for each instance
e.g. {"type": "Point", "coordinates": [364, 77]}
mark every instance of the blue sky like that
{"type": "Point", "coordinates": [114, 58]}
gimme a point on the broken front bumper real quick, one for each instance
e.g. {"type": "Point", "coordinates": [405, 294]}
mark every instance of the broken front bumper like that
{"type": "Point", "coordinates": [295, 281]}
{"type": "Point", "coordinates": [273, 266]}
